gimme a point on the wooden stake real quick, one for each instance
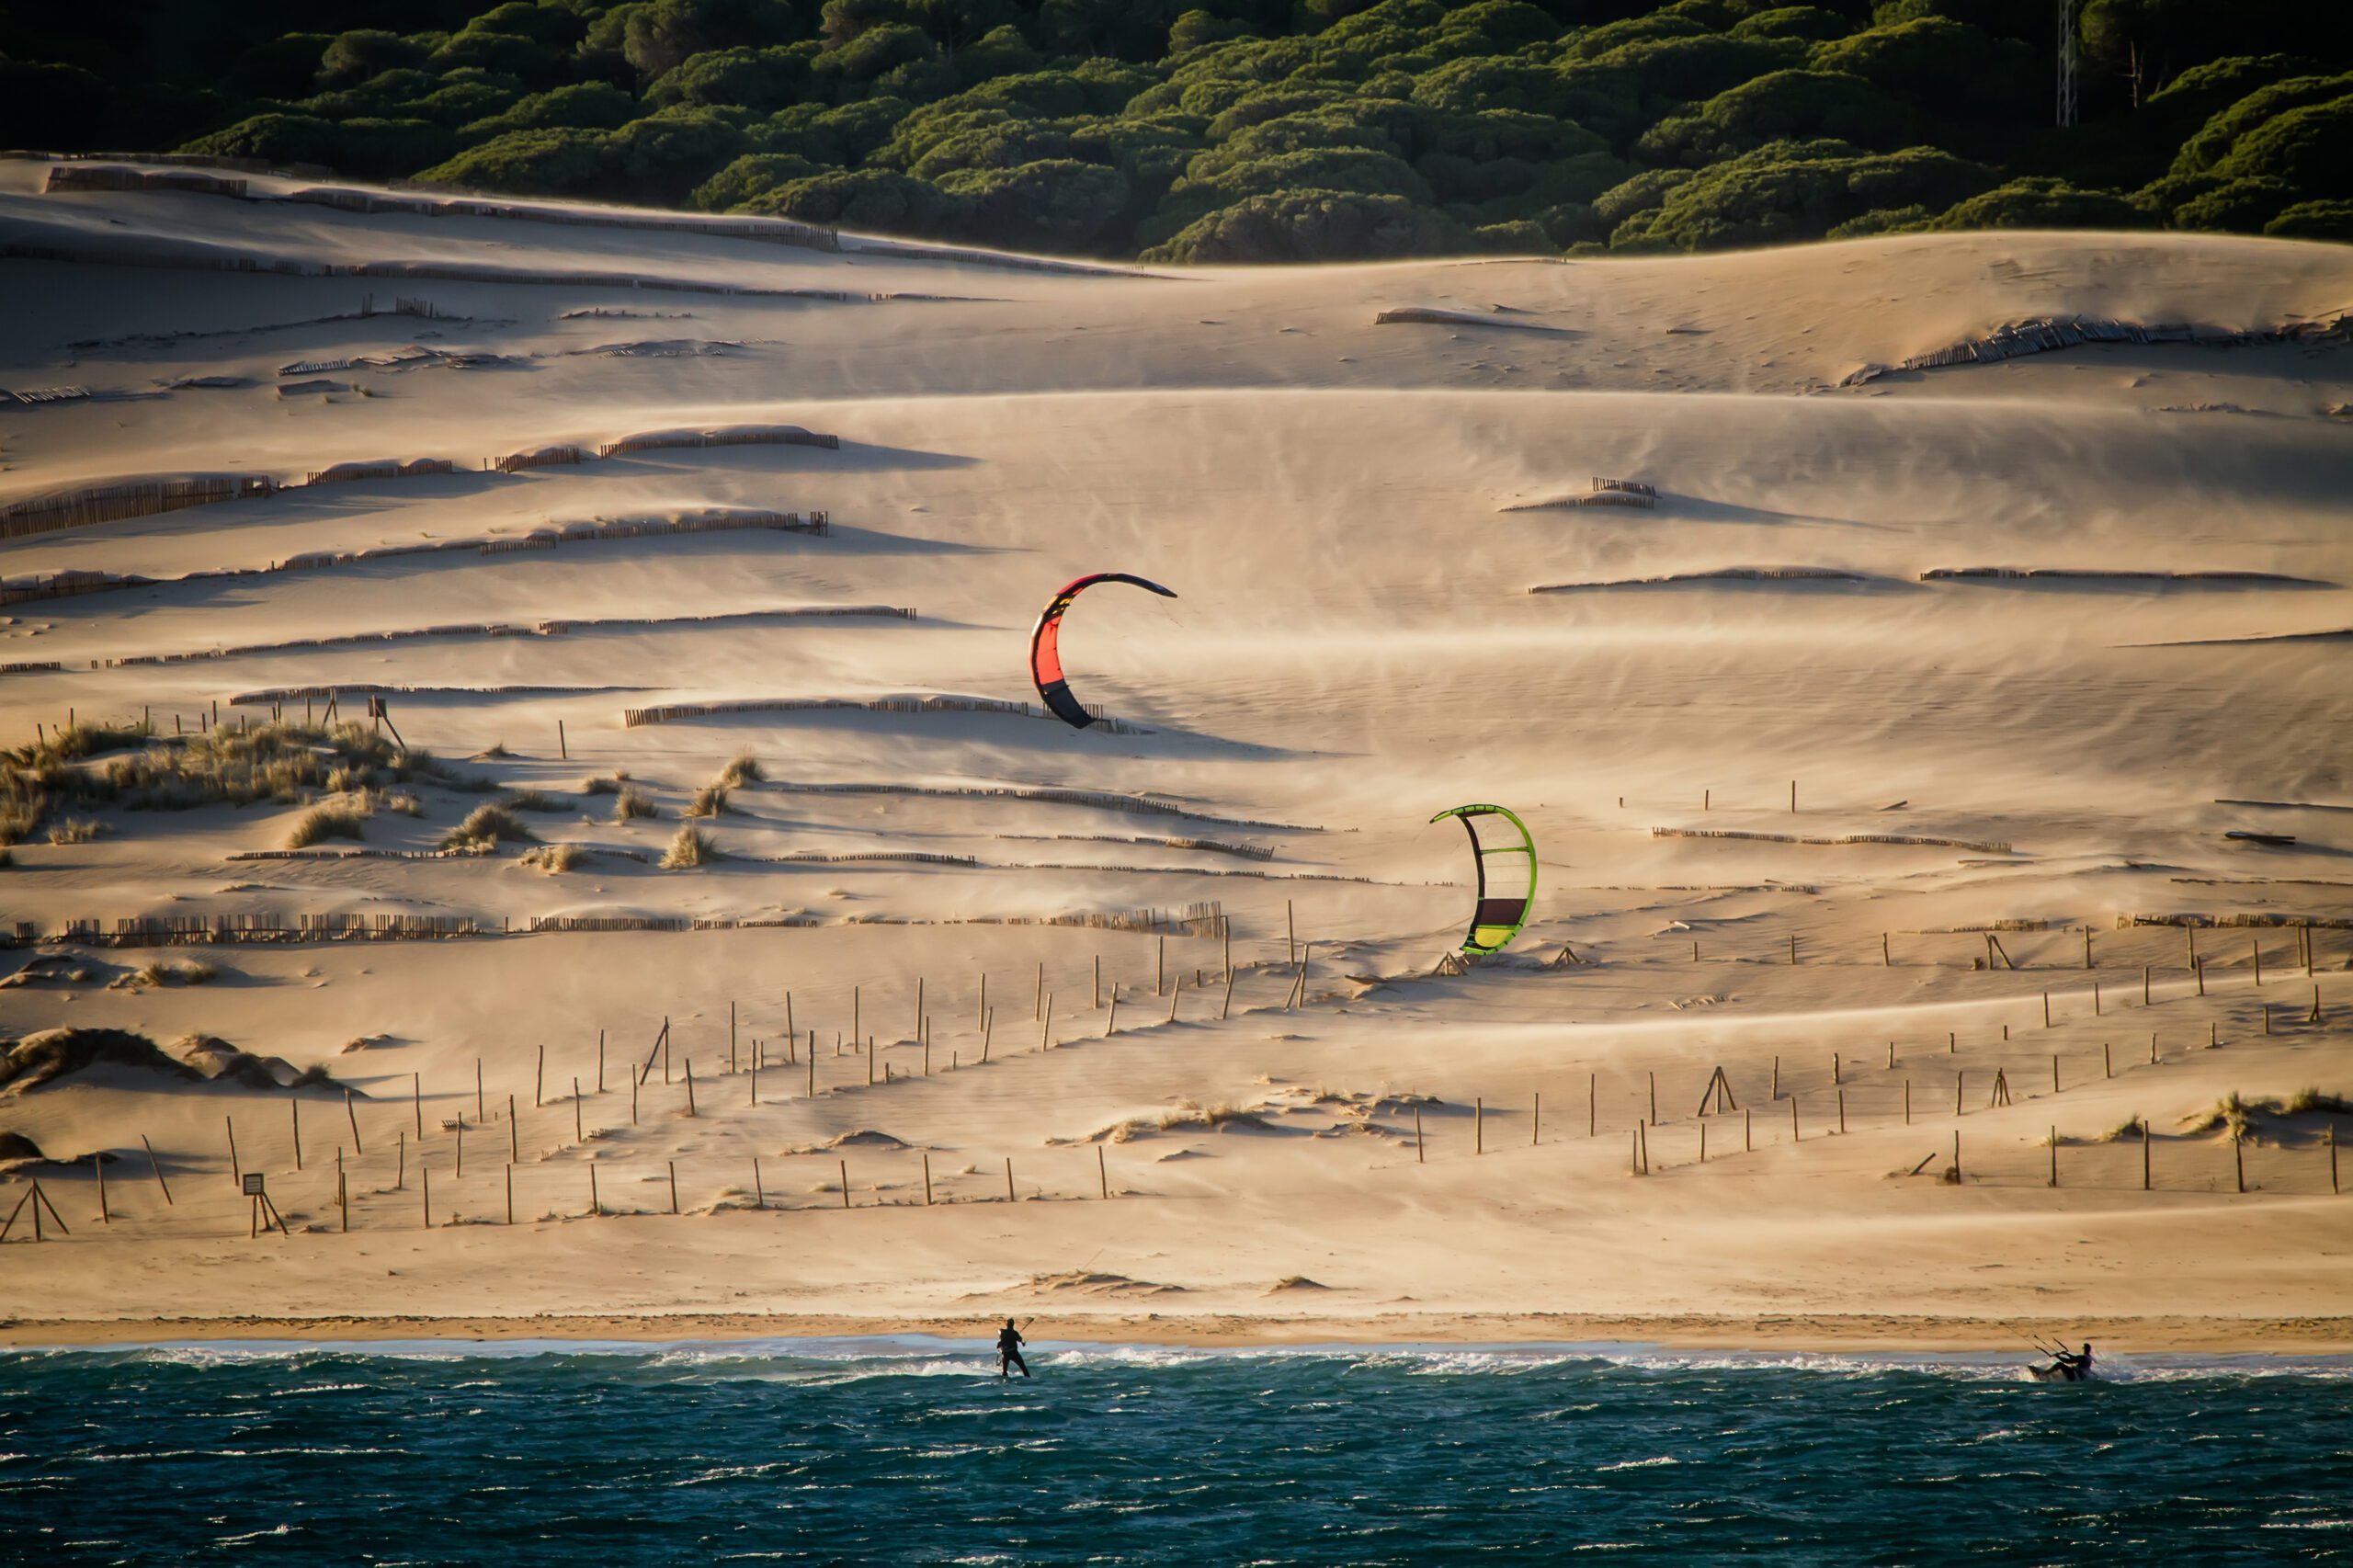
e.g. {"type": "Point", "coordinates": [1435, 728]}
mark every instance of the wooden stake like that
{"type": "Point", "coordinates": [1643, 1140]}
{"type": "Point", "coordinates": [1421, 1154]}
{"type": "Point", "coordinates": [980, 1008]}
{"type": "Point", "coordinates": [1908, 1102]}
{"type": "Point", "coordinates": [1592, 1104]}
{"type": "Point", "coordinates": [563, 746]}
{"type": "Point", "coordinates": [1046, 1028]}
{"type": "Point", "coordinates": [1956, 1154]}
{"type": "Point", "coordinates": [157, 1167]}
{"type": "Point", "coordinates": [2238, 1161]}
{"type": "Point", "coordinates": [1175, 992]}
{"type": "Point", "coordinates": [595, 1204]}
{"type": "Point", "coordinates": [480, 1115]}
{"type": "Point", "coordinates": [2144, 985]}
{"type": "Point", "coordinates": [600, 1061]}
{"type": "Point", "coordinates": [1291, 935]}
{"type": "Point", "coordinates": [673, 1186]}
{"type": "Point", "coordinates": [731, 1027]}
{"type": "Point", "coordinates": [926, 1181]}
{"type": "Point", "coordinates": [1654, 1078]}
{"type": "Point", "coordinates": [1836, 1078]}
{"type": "Point", "coordinates": [1748, 1132]}
{"type": "Point", "coordinates": [2046, 1009]}
{"type": "Point", "coordinates": [400, 1178]}
{"type": "Point", "coordinates": [2106, 1060]}
{"type": "Point", "coordinates": [1886, 959]}
{"type": "Point", "coordinates": [1793, 1119]}
{"type": "Point", "coordinates": [510, 1197]}
{"type": "Point", "coordinates": [2054, 1156]}
{"type": "Point", "coordinates": [2144, 1153]}
{"type": "Point", "coordinates": [845, 1165]}
{"type": "Point", "coordinates": [1957, 1076]}
{"type": "Point", "coordinates": [2255, 946]}
{"type": "Point", "coordinates": [425, 1182]}
{"type": "Point", "coordinates": [98, 1165]}
{"type": "Point", "coordinates": [416, 1100]}
{"type": "Point", "coordinates": [690, 1087]}
{"type": "Point", "coordinates": [1536, 1121]}
{"type": "Point", "coordinates": [1008, 1180]}
{"type": "Point", "coordinates": [1777, 1077]}
{"type": "Point", "coordinates": [2088, 948]}
{"type": "Point", "coordinates": [1633, 1152]}
{"type": "Point", "coordinates": [1226, 1011]}
{"type": "Point", "coordinates": [462, 1145]}
{"type": "Point", "coordinates": [1478, 1126]}
{"type": "Point", "coordinates": [294, 1110]}
{"type": "Point", "coordinates": [1037, 1003]}
{"type": "Point", "coordinates": [2055, 1072]}
{"type": "Point", "coordinates": [514, 1130]}
{"type": "Point", "coordinates": [1703, 1142]}
{"type": "Point", "coordinates": [1160, 965]}
{"type": "Point", "coordinates": [760, 1193]}
{"type": "Point", "coordinates": [1098, 981]}
{"type": "Point", "coordinates": [579, 1133]}
{"type": "Point", "coordinates": [1842, 1111]}
{"type": "Point", "coordinates": [236, 1170]}
{"type": "Point", "coordinates": [633, 1081]}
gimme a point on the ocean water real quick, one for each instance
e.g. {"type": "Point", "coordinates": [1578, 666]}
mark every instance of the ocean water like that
{"type": "Point", "coordinates": [912, 1452]}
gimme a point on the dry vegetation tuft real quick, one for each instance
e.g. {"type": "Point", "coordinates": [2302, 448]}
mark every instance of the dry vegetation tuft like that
{"type": "Point", "coordinates": [710, 801]}
{"type": "Point", "coordinates": [744, 768]}
{"type": "Point", "coordinates": [555, 857]}
{"type": "Point", "coordinates": [74, 830]}
{"type": "Point", "coordinates": [634, 801]}
{"type": "Point", "coordinates": [344, 820]}
{"type": "Point", "coordinates": [486, 827]}
{"type": "Point", "coordinates": [690, 848]}
{"type": "Point", "coordinates": [167, 972]}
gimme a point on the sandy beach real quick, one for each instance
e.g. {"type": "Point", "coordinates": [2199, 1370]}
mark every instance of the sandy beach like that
{"type": "Point", "coordinates": [1884, 764]}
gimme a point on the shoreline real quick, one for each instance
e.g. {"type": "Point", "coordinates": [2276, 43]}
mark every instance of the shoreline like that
{"type": "Point", "coordinates": [1830, 1333]}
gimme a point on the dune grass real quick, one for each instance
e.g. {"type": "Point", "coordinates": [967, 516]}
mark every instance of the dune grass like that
{"type": "Point", "coordinates": [710, 801]}
{"type": "Point", "coordinates": [285, 763]}
{"type": "Point", "coordinates": [485, 828]}
{"type": "Point", "coordinates": [553, 859]}
{"type": "Point", "coordinates": [534, 801]}
{"type": "Point", "coordinates": [74, 830]}
{"type": "Point", "coordinates": [633, 802]}
{"type": "Point", "coordinates": [2305, 1101]}
{"type": "Point", "coordinates": [341, 820]}
{"type": "Point", "coordinates": [174, 972]}
{"type": "Point", "coordinates": [604, 783]}
{"type": "Point", "coordinates": [742, 768]}
{"type": "Point", "coordinates": [690, 848]}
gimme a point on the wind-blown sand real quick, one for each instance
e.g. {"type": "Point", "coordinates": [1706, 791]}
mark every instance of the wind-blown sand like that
{"type": "Point", "coordinates": [1344, 506]}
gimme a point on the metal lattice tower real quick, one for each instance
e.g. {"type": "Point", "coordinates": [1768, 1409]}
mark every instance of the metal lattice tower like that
{"type": "Point", "coordinates": [2066, 63]}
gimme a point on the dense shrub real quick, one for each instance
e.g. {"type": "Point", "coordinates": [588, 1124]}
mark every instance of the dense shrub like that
{"type": "Point", "coordinates": [1315, 126]}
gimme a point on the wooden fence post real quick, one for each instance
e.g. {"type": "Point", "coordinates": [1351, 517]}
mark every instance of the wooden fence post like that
{"type": "Point", "coordinates": [1748, 1132]}
{"type": "Point", "coordinates": [579, 1133]}
{"type": "Point", "coordinates": [1102, 1174]}
{"type": "Point", "coordinates": [690, 1087]}
{"type": "Point", "coordinates": [1536, 1121]}
{"type": "Point", "coordinates": [1477, 1125]}
{"type": "Point", "coordinates": [356, 1147]}
{"type": "Point", "coordinates": [511, 1196]}
{"type": "Point", "coordinates": [417, 1101]}
{"type": "Point", "coordinates": [294, 1110]}
{"type": "Point", "coordinates": [156, 1166]}
{"type": "Point", "coordinates": [759, 1192]}
{"type": "Point", "coordinates": [1421, 1155]}
{"type": "Point", "coordinates": [2144, 1153]}
{"type": "Point", "coordinates": [98, 1165]}
{"type": "Point", "coordinates": [1010, 1198]}
{"type": "Point", "coordinates": [595, 1204]}
{"type": "Point", "coordinates": [2054, 1156]}
{"type": "Point", "coordinates": [926, 1181]}
{"type": "Point", "coordinates": [673, 1186]}
{"type": "Point", "coordinates": [515, 1131]}
{"type": "Point", "coordinates": [1592, 1103]}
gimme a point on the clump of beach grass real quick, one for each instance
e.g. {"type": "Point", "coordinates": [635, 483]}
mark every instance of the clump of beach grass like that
{"type": "Point", "coordinates": [710, 801]}
{"type": "Point", "coordinates": [605, 783]}
{"type": "Point", "coordinates": [497, 753]}
{"type": "Point", "coordinates": [534, 801]}
{"type": "Point", "coordinates": [2305, 1101]}
{"type": "Point", "coordinates": [742, 768]}
{"type": "Point", "coordinates": [486, 827]}
{"type": "Point", "coordinates": [2231, 1115]}
{"type": "Point", "coordinates": [340, 820]}
{"type": "Point", "coordinates": [2130, 1128]}
{"type": "Point", "coordinates": [176, 971]}
{"type": "Point", "coordinates": [633, 802]}
{"type": "Point", "coordinates": [555, 857]}
{"type": "Point", "coordinates": [75, 830]}
{"type": "Point", "coordinates": [690, 848]}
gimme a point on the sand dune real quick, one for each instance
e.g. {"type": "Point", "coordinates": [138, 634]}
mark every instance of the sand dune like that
{"type": "Point", "coordinates": [1928, 860]}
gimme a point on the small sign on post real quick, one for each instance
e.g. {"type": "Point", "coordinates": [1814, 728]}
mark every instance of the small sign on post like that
{"type": "Point", "coordinates": [265, 1213]}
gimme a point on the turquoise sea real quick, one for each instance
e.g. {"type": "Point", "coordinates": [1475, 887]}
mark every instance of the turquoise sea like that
{"type": "Point", "coordinates": [911, 1452]}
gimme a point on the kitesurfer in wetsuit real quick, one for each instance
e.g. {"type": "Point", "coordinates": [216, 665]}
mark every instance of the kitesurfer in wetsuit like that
{"type": "Point", "coordinates": [2075, 1369]}
{"type": "Point", "coordinates": [1008, 1351]}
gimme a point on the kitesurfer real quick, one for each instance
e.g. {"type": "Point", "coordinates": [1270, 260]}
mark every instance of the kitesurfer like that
{"type": "Point", "coordinates": [2076, 1368]}
{"type": "Point", "coordinates": [1008, 1351]}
